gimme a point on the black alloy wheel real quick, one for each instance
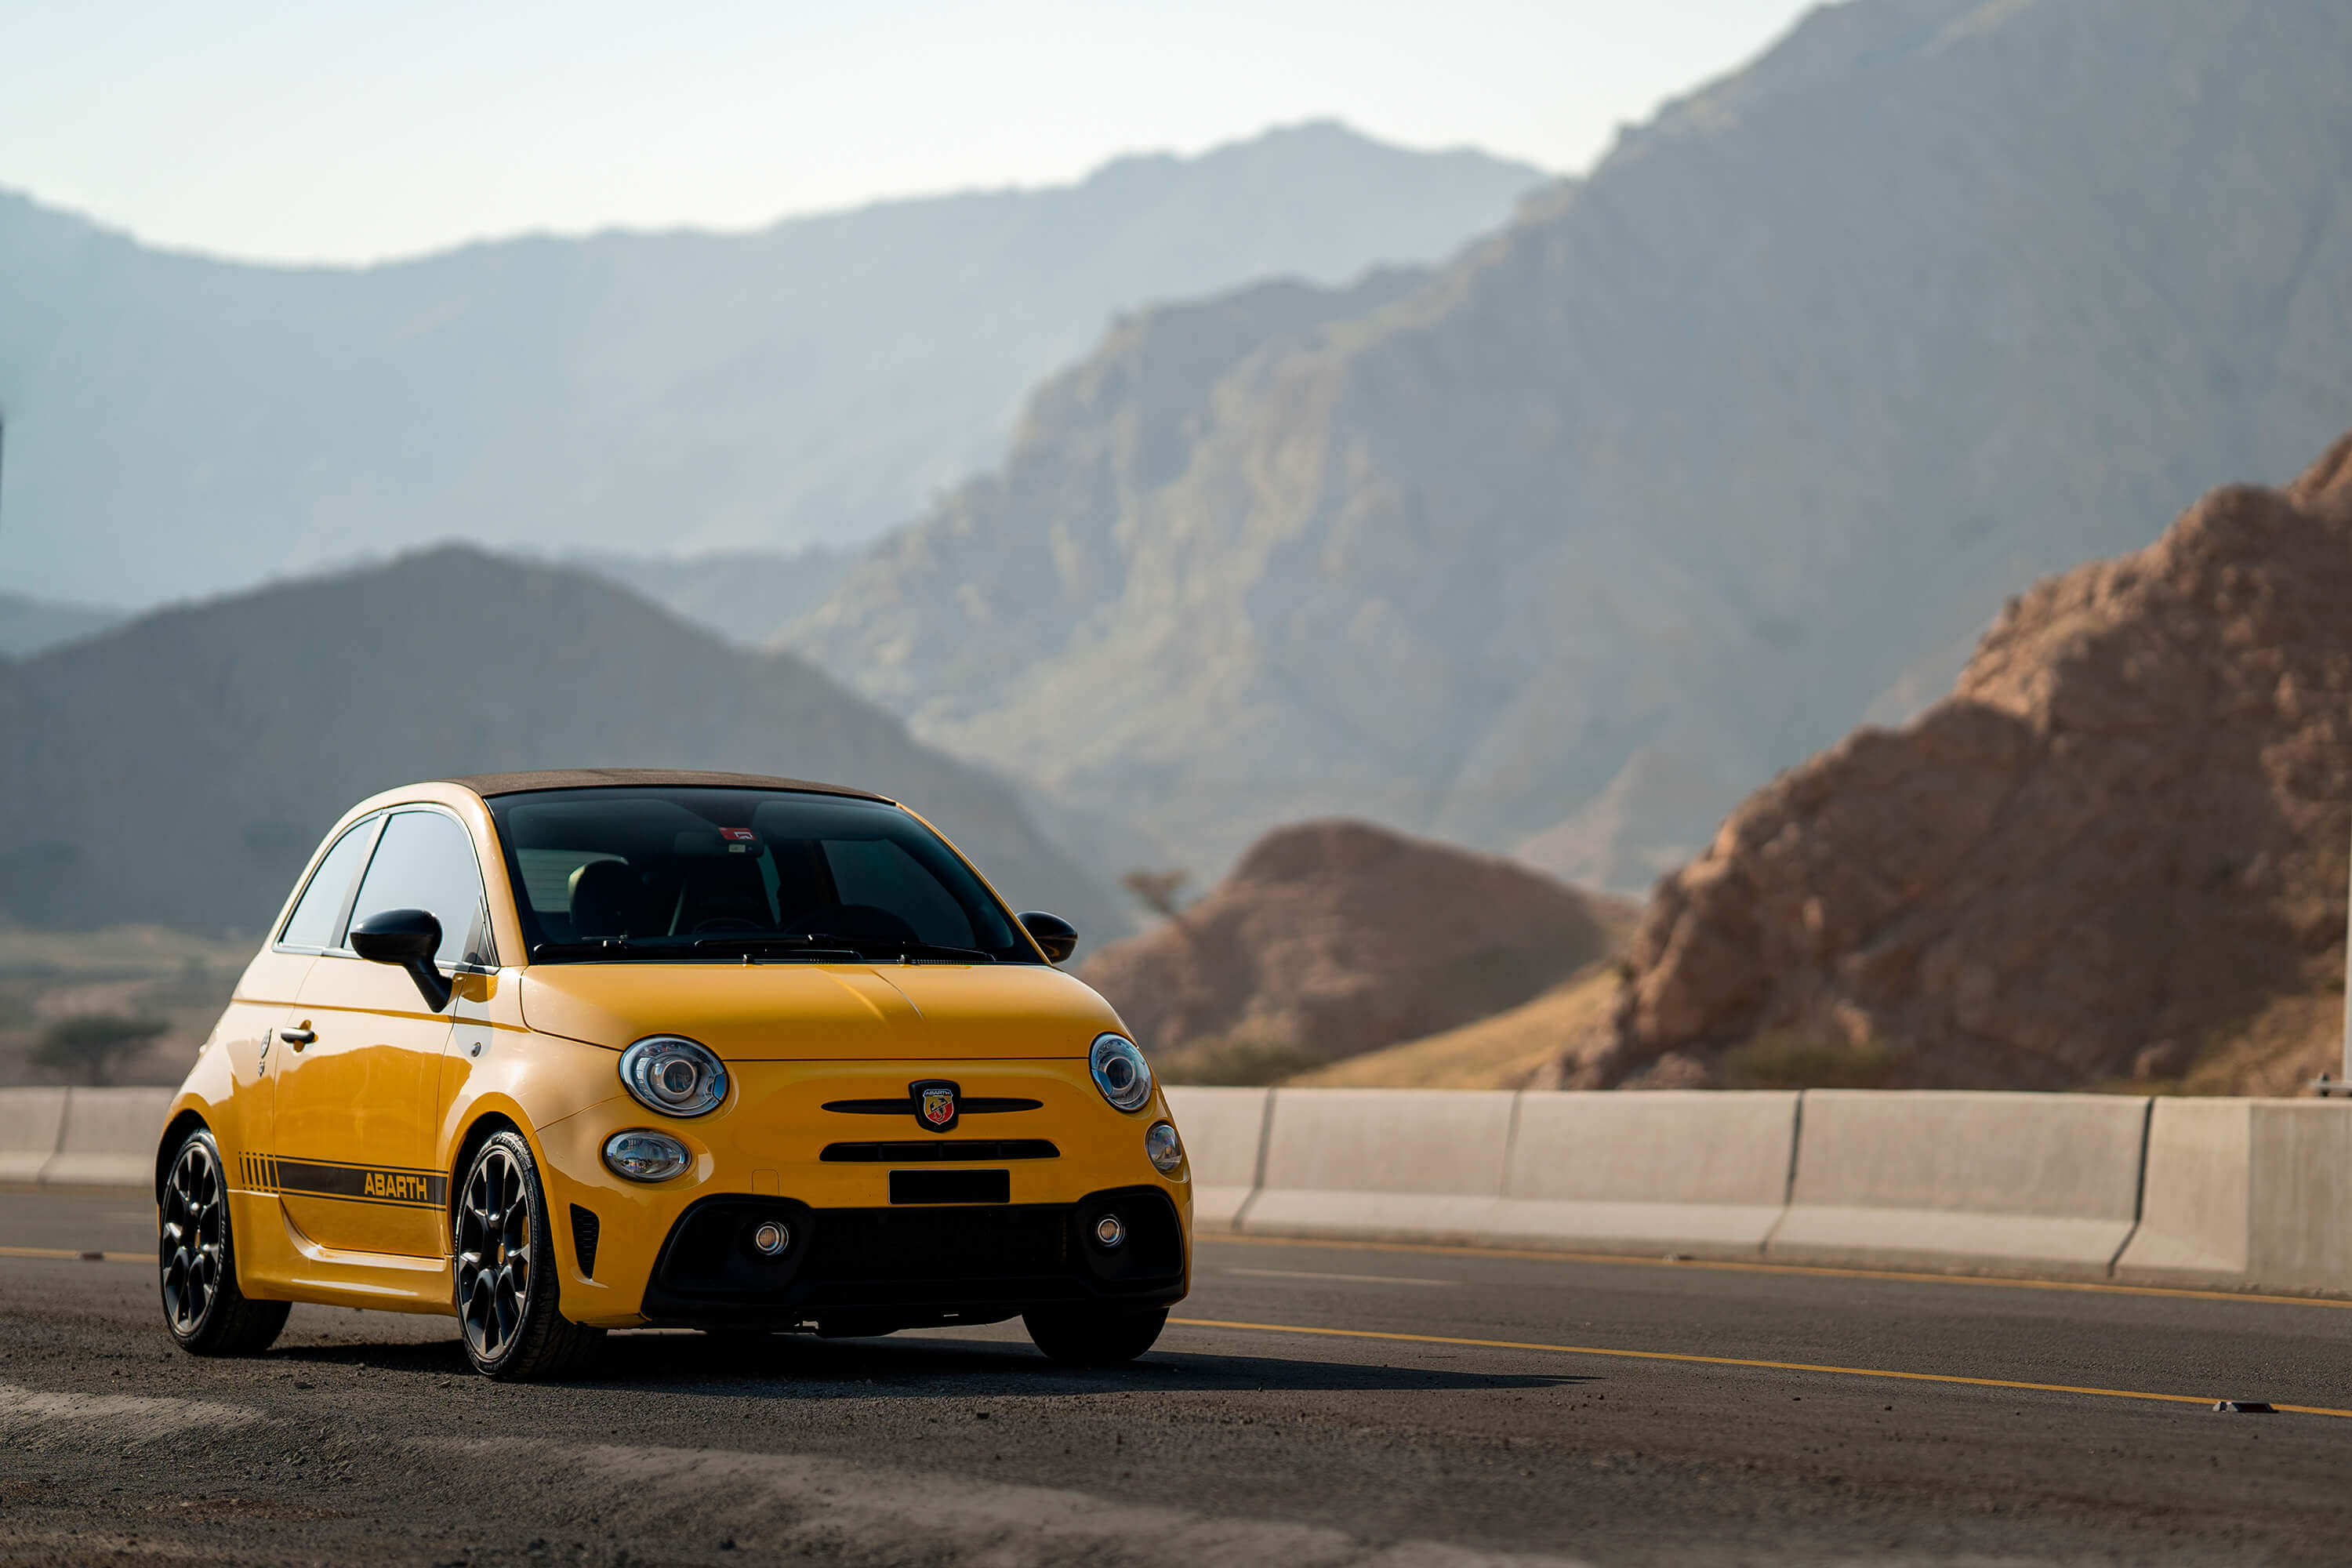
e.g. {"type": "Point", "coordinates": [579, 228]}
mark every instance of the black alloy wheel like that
{"type": "Point", "coordinates": [205, 1310]}
{"type": "Point", "coordinates": [1093, 1336]}
{"type": "Point", "coordinates": [506, 1286]}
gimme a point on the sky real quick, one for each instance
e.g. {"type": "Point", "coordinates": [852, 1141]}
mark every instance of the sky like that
{"type": "Point", "coordinates": [357, 129]}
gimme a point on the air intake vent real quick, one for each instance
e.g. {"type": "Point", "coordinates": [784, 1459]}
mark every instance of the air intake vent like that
{"type": "Point", "coordinates": [584, 1239]}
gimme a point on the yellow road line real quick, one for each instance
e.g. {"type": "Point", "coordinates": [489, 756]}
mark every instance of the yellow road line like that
{"type": "Point", "coordinates": [71, 1256]}
{"type": "Point", "coordinates": [1739, 1361]}
{"type": "Point", "coordinates": [1734, 1266]}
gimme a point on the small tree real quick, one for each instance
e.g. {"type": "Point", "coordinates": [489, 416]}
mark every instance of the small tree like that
{"type": "Point", "coordinates": [1159, 891]}
{"type": "Point", "coordinates": [92, 1046]}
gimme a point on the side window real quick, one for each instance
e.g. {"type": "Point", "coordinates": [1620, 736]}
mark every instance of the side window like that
{"type": "Point", "coordinates": [317, 918]}
{"type": "Point", "coordinates": [426, 861]}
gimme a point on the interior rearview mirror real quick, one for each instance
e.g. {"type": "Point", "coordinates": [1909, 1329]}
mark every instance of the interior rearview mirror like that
{"type": "Point", "coordinates": [409, 938]}
{"type": "Point", "coordinates": [1057, 937]}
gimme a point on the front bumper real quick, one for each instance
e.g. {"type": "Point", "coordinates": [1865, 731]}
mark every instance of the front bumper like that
{"type": "Point", "coordinates": [868, 1253]}
{"type": "Point", "coordinates": [865, 1271]}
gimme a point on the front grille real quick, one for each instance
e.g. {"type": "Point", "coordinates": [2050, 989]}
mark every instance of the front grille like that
{"type": "Point", "coordinates": [857, 1246]}
{"type": "Point", "coordinates": [940, 1149]}
{"type": "Point", "coordinates": [584, 1229]}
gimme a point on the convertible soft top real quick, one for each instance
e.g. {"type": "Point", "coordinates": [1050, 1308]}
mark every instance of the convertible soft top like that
{"type": "Point", "coordinates": [487, 784]}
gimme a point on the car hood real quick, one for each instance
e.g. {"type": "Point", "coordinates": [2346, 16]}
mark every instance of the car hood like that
{"type": "Point", "coordinates": [804, 1012]}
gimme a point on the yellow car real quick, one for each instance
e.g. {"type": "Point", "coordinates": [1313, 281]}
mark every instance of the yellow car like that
{"type": "Point", "coordinates": [562, 1052]}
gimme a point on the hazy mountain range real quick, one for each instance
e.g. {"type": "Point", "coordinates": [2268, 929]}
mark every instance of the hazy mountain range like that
{"type": "Point", "coordinates": [28, 624]}
{"type": "Point", "coordinates": [177, 425]}
{"type": "Point", "coordinates": [181, 768]}
{"type": "Point", "coordinates": [1675, 477]}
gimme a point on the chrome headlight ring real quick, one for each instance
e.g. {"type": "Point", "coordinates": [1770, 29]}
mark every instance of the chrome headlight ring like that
{"type": "Point", "coordinates": [673, 1076]}
{"type": "Point", "coordinates": [644, 1155]}
{"type": "Point", "coordinates": [1120, 1072]}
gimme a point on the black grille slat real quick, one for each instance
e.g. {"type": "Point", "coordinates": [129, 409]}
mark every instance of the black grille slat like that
{"type": "Point", "coordinates": [585, 1231]}
{"type": "Point", "coordinates": [935, 1150]}
{"type": "Point", "coordinates": [976, 1105]}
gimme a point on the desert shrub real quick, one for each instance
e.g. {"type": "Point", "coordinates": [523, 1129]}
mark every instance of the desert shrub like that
{"type": "Point", "coordinates": [1806, 1055]}
{"type": "Point", "coordinates": [1237, 1064]}
{"type": "Point", "coordinates": [90, 1048]}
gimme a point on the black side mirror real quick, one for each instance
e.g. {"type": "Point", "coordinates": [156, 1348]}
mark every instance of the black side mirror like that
{"type": "Point", "coordinates": [1056, 936]}
{"type": "Point", "coordinates": [409, 938]}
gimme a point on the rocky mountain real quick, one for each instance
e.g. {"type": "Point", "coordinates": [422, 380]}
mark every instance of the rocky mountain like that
{"type": "Point", "coordinates": [1335, 938]}
{"type": "Point", "coordinates": [2117, 850]}
{"type": "Point", "coordinates": [29, 624]}
{"type": "Point", "coordinates": [179, 425]}
{"type": "Point", "coordinates": [180, 769]}
{"type": "Point", "coordinates": [1668, 483]}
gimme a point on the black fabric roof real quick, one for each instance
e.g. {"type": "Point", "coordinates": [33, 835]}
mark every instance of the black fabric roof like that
{"type": "Point", "coordinates": [487, 784]}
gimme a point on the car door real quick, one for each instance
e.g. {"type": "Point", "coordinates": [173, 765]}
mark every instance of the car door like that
{"type": "Point", "coordinates": [357, 1084]}
{"type": "Point", "coordinates": [260, 1027]}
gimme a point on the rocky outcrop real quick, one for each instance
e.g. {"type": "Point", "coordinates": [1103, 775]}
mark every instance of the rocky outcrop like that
{"type": "Point", "coordinates": [2117, 851]}
{"type": "Point", "coordinates": [1334, 937]}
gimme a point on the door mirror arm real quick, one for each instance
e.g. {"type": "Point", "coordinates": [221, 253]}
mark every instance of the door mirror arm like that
{"type": "Point", "coordinates": [408, 938]}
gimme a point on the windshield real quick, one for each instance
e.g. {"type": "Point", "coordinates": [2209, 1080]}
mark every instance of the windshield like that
{"type": "Point", "coordinates": [725, 874]}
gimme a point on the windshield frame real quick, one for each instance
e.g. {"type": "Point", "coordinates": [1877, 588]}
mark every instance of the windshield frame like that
{"type": "Point", "coordinates": [753, 948]}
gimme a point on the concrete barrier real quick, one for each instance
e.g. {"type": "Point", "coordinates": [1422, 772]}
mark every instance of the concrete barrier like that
{"type": "Point", "coordinates": [1225, 1138]}
{"type": "Point", "coordinates": [108, 1138]}
{"type": "Point", "coordinates": [2226, 1193]}
{"type": "Point", "coordinates": [2246, 1192]}
{"type": "Point", "coordinates": [2033, 1183]}
{"type": "Point", "coordinates": [1380, 1164]}
{"type": "Point", "coordinates": [30, 1120]}
{"type": "Point", "coordinates": [1698, 1172]}
{"type": "Point", "coordinates": [2196, 1207]}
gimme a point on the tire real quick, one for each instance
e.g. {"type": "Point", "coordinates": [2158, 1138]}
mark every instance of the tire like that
{"type": "Point", "coordinates": [1095, 1336]}
{"type": "Point", "coordinates": [505, 1270]}
{"type": "Point", "coordinates": [204, 1312]}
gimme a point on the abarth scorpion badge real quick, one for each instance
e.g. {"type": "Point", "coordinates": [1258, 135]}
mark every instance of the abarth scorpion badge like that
{"type": "Point", "coordinates": [935, 1104]}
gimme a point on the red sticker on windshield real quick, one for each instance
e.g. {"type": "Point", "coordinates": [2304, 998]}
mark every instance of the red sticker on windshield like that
{"type": "Point", "coordinates": [739, 836]}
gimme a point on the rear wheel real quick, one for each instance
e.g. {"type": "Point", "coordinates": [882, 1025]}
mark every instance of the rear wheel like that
{"type": "Point", "coordinates": [505, 1273]}
{"type": "Point", "coordinates": [1095, 1336]}
{"type": "Point", "coordinates": [205, 1310]}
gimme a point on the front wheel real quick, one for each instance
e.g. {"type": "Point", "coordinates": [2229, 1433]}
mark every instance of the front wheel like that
{"type": "Point", "coordinates": [1095, 1336]}
{"type": "Point", "coordinates": [204, 1310]}
{"type": "Point", "coordinates": [506, 1269]}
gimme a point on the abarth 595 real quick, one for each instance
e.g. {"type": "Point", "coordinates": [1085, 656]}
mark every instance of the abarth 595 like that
{"type": "Point", "coordinates": [557, 1053]}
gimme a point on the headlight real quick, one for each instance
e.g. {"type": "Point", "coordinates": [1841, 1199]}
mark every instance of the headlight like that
{"type": "Point", "coordinates": [1121, 1071]}
{"type": "Point", "coordinates": [1166, 1150]}
{"type": "Point", "coordinates": [673, 1076]}
{"type": "Point", "coordinates": [644, 1156]}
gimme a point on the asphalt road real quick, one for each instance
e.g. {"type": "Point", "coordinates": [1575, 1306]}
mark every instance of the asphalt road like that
{"type": "Point", "coordinates": [1390, 1436]}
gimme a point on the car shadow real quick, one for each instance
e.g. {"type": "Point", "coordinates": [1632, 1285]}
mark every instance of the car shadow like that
{"type": "Point", "coordinates": [800, 1366]}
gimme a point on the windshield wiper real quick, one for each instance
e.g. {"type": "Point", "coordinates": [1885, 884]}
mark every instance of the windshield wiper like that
{"type": "Point", "coordinates": [858, 948]}
{"type": "Point", "coordinates": [794, 947]}
{"type": "Point", "coordinates": [600, 947]}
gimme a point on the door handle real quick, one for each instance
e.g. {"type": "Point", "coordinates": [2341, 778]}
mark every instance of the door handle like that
{"type": "Point", "coordinates": [298, 1038]}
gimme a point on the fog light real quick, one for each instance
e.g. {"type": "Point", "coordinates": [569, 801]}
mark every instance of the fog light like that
{"type": "Point", "coordinates": [771, 1239]}
{"type": "Point", "coordinates": [1166, 1150]}
{"type": "Point", "coordinates": [1110, 1230]}
{"type": "Point", "coordinates": [644, 1156]}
